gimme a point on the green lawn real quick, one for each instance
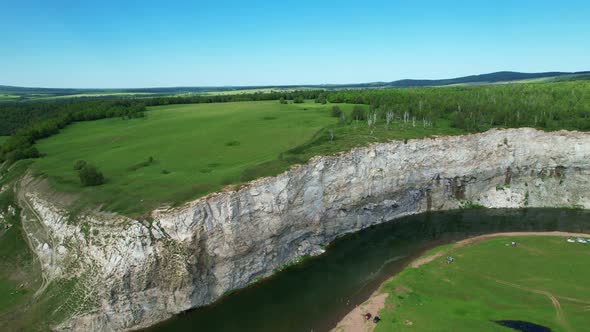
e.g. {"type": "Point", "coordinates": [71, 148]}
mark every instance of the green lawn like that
{"type": "Point", "coordinates": [492, 281]}
{"type": "Point", "coordinates": [200, 148]}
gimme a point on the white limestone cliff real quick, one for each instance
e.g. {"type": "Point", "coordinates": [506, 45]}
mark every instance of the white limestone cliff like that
{"type": "Point", "coordinates": [141, 272]}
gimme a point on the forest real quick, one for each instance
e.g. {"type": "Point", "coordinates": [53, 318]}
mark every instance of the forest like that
{"type": "Point", "coordinates": [549, 106]}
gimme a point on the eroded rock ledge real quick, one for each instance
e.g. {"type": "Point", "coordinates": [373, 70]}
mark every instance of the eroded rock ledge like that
{"type": "Point", "coordinates": [135, 273]}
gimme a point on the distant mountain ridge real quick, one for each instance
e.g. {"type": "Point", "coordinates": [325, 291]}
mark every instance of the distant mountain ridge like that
{"type": "Point", "coordinates": [496, 77]}
{"type": "Point", "coordinates": [501, 76]}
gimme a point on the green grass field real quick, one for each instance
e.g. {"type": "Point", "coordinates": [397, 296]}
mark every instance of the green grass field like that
{"type": "Point", "coordinates": [8, 97]}
{"type": "Point", "coordinates": [492, 281]}
{"type": "Point", "coordinates": [200, 148]}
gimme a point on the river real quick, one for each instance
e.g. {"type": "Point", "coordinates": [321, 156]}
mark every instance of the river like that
{"type": "Point", "coordinates": [316, 294]}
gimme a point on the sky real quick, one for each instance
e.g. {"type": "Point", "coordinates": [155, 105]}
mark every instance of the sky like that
{"type": "Point", "coordinates": [124, 44]}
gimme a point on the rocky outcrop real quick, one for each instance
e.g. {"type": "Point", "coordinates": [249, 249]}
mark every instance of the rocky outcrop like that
{"type": "Point", "coordinates": [139, 272]}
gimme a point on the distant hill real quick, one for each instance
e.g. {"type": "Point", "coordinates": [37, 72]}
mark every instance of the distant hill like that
{"type": "Point", "coordinates": [497, 77]}
{"type": "Point", "coordinates": [11, 93]}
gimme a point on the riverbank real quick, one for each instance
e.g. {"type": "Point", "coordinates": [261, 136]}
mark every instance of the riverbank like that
{"type": "Point", "coordinates": [355, 320]}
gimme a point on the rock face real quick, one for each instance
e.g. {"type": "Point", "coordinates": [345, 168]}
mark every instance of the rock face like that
{"type": "Point", "coordinates": [141, 272]}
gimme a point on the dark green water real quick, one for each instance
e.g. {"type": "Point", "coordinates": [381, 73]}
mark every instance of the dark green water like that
{"type": "Point", "coordinates": [315, 295]}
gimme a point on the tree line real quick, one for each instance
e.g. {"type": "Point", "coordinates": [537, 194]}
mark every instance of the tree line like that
{"type": "Point", "coordinates": [550, 106]}
{"type": "Point", "coordinates": [29, 122]}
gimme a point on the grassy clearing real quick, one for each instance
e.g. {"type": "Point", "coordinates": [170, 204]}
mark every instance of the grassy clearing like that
{"type": "Point", "coordinates": [200, 148]}
{"type": "Point", "coordinates": [492, 281]}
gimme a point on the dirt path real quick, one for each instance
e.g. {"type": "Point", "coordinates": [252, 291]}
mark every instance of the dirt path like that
{"type": "Point", "coordinates": [355, 322]}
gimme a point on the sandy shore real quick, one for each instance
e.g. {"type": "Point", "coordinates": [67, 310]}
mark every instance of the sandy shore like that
{"type": "Point", "coordinates": [355, 321]}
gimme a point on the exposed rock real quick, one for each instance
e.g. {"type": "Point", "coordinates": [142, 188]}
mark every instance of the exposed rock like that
{"type": "Point", "coordinates": [142, 273]}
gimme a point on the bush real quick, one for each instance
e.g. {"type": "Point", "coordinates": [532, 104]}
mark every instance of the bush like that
{"type": "Point", "coordinates": [336, 112]}
{"type": "Point", "coordinates": [358, 113]}
{"type": "Point", "coordinates": [90, 176]}
{"type": "Point", "coordinates": [232, 143]}
{"type": "Point", "coordinates": [283, 100]}
{"type": "Point", "coordinates": [298, 100]}
{"type": "Point", "coordinates": [79, 164]}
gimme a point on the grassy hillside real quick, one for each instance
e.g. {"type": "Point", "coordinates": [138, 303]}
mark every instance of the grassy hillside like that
{"type": "Point", "coordinates": [200, 148]}
{"type": "Point", "coordinates": [197, 149]}
{"type": "Point", "coordinates": [491, 281]}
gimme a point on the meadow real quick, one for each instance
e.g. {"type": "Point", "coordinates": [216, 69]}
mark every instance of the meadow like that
{"type": "Point", "coordinates": [197, 149]}
{"type": "Point", "coordinates": [10, 97]}
{"type": "Point", "coordinates": [543, 280]}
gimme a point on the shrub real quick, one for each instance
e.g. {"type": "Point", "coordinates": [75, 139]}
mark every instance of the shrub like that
{"type": "Point", "coordinates": [336, 112]}
{"type": "Point", "coordinates": [283, 100]}
{"type": "Point", "coordinates": [142, 164]}
{"type": "Point", "coordinates": [232, 143]}
{"type": "Point", "coordinates": [79, 164]}
{"type": "Point", "coordinates": [298, 100]}
{"type": "Point", "coordinates": [90, 176]}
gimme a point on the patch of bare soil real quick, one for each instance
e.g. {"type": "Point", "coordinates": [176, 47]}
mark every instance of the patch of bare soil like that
{"type": "Point", "coordinates": [355, 320]}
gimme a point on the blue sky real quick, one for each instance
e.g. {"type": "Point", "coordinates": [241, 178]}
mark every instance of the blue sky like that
{"type": "Point", "coordinates": [109, 44]}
